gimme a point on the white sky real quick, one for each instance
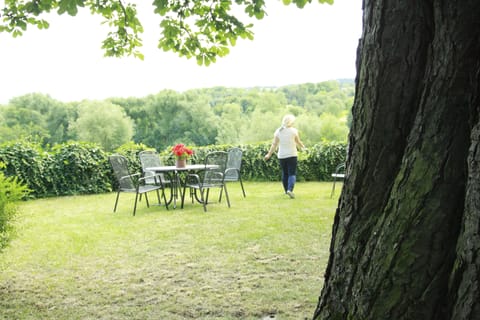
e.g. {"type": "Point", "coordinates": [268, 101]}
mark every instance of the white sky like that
{"type": "Point", "coordinates": [291, 46]}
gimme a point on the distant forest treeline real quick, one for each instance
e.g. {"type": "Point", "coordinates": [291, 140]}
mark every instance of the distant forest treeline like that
{"type": "Point", "coordinates": [197, 117]}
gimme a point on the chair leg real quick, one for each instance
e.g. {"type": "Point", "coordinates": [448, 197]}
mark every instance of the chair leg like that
{"type": "Point", "coordinates": [164, 198]}
{"type": "Point", "coordinates": [208, 193]}
{"type": "Point", "coordinates": [116, 201]}
{"type": "Point", "coordinates": [220, 197]}
{"type": "Point", "coordinates": [135, 205]}
{"type": "Point", "coordinates": [226, 194]}
{"type": "Point", "coordinates": [243, 190]}
{"type": "Point", "coordinates": [146, 200]}
{"type": "Point", "coordinates": [333, 187]}
{"type": "Point", "coordinates": [204, 201]}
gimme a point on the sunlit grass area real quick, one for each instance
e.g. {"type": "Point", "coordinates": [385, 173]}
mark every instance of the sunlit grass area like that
{"type": "Point", "coordinates": [73, 258]}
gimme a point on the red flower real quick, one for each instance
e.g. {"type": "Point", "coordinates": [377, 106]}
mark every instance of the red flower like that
{"type": "Point", "coordinates": [180, 151]}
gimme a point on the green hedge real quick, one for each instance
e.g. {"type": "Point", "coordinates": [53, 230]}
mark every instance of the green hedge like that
{"type": "Point", "coordinates": [314, 164]}
{"type": "Point", "coordinates": [26, 161]}
{"type": "Point", "coordinates": [79, 168]}
{"type": "Point", "coordinates": [70, 168]}
{"type": "Point", "coordinates": [83, 168]}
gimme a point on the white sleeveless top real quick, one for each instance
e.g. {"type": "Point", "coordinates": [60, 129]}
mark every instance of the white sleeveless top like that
{"type": "Point", "coordinates": [287, 147]}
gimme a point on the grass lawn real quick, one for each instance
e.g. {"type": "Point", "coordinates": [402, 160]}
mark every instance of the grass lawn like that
{"type": "Point", "coordinates": [73, 258]}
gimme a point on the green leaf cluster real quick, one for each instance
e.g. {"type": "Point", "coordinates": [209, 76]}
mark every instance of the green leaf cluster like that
{"type": "Point", "coordinates": [203, 29]}
{"type": "Point", "coordinates": [123, 39]}
{"type": "Point", "coordinates": [15, 16]}
{"type": "Point", "coordinates": [69, 6]}
{"type": "Point", "coordinates": [10, 192]}
{"type": "Point", "coordinates": [26, 161]}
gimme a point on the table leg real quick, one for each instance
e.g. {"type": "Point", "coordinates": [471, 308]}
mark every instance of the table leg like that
{"type": "Point", "coordinates": [177, 188]}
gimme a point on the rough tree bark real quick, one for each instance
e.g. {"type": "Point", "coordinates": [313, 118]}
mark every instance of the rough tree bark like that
{"type": "Point", "coordinates": [406, 235]}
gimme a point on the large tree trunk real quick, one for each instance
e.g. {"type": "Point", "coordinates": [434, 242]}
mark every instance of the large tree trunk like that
{"type": "Point", "coordinates": [406, 235]}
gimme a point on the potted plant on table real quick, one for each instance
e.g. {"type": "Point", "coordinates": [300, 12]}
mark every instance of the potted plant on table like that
{"type": "Point", "coordinates": [181, 153]}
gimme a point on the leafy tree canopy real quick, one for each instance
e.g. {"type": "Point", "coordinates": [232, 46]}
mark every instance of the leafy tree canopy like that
{"type": "Point", "coordinates": [203, 29]}
{"type": "Point", "coordinates": [229, 115]}
{"type": "Point", "coordinates": [103, 123]}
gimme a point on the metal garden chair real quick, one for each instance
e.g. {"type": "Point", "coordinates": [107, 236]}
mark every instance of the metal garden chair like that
{"type": "Point", "coordinates": [212, 176]}
{"type": "Point", "coordinates": [133, 183]}
{"type": "Point", "coordinates": [339, 174]}
{"type": "Point", "coordinates": [151, 158]}
{"type": "Point", "coordinates": [234, 167]}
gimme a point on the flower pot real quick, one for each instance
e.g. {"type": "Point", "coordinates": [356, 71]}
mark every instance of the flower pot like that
{"type": "Point", "coordinates": [180, 163]}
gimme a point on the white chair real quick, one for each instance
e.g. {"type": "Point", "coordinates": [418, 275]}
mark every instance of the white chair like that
{"type": "Point", "coordinates": [339, 174]}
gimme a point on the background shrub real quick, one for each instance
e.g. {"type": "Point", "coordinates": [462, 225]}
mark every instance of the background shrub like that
{"type": "Point", "coordinates": [83, 168]}
{"type": "Point", "coordinates": [25, 160]}
{"type": "Point", "coordinates": [78, 168]}
{"type": "Point", "coordinates": [10, 192]}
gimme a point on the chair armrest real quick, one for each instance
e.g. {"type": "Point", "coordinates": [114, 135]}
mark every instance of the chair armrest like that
{"type": "Point", "coordinates": [156, 177]}
{"type": "Point", "coordinates": [231, 169]}
{"type": "Point", "coordinates": [215, 177]}
{"type": "Point", "coordinates": [339, 171]}
{"type": "Point", "coordinates": [218, 175]}
{"type": "Point", "coordinates": [129, 176]}
{"type": "Point", "coordinates": [166, 177]}
{"type": "Point", "coordinates": [192, 178]}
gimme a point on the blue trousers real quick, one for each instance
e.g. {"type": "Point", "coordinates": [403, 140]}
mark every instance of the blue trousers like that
{"type": "Point", "coordinates": [289, 172]}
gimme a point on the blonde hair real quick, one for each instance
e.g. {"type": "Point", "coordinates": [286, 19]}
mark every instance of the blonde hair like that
{"type": "Point", "coordinates": [288, 120]}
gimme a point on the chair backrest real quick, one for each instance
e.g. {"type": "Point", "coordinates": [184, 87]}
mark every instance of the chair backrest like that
{"type": "Point", "coordinates": [122, 174]}
{"type": "Point", "coordinates": [216, 174]}
{"type": "Point", "coordinates": [339, 172]}
{"type": "Point", "coordinates": [340, 169]}
{"type": "Point", "coordinates": [149, 158]}
{"type": "Point", "coordinates": [234, 162]}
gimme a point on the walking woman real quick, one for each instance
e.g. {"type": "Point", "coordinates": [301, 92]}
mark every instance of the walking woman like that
{"type": "Point", "coordinates": [286, 138]}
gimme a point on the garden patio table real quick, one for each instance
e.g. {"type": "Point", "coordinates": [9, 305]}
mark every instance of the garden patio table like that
{"type": "Point", "coordinates": [177, 182]}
